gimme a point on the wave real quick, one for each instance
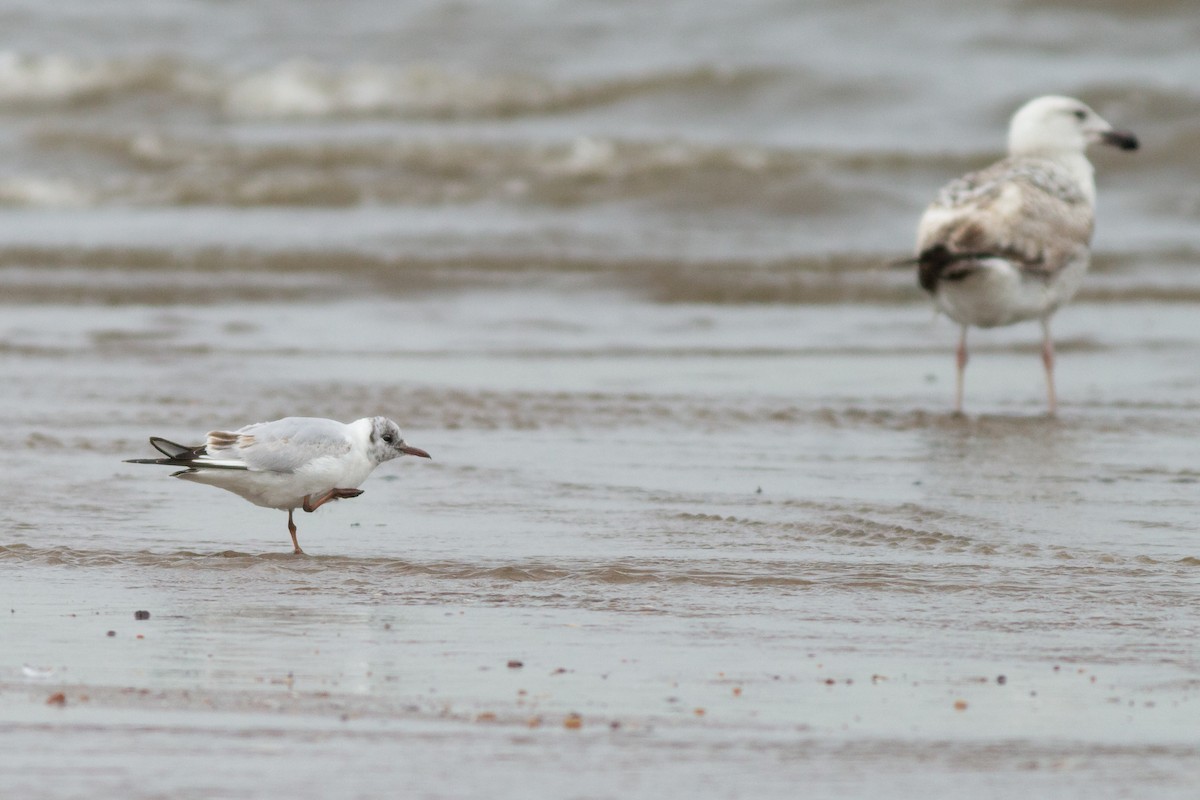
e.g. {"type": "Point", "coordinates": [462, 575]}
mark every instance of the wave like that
{"type": "Point", "coordinates": [1140, 9]}
{"type": "Point", "coordinates": [591, 156]}
{"type": "Point", "coordinates": [178, 275]}
{"type": "Point", "coordinates": [155, 169]}
{"type": "Point", "coordinates": [43, 80]}
{"type": "Point", "coordinates": [304, 89]}
{"type": "Point", "coordinates": [307, 89]}
{"type": "Point", "coordinates": [658, 571]}
{"type": "Point", "coordinates": [831, 572]}
{"type": "Point", "coordinates": [35, 192]}
{"type": "Point", "coordinates": [673, 175]}
{"type": "Point", "coordinates": [211, 274]}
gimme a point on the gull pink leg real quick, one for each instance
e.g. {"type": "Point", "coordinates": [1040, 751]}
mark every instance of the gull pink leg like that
{"type": "Point", "coordinates": [1048, 362]}
{"type": "Point", "coordinates": [311, 505]}
{"type": "Point", "coordinates": [292, 531]}
{"type": "Point", "coordinates": [960, 370]}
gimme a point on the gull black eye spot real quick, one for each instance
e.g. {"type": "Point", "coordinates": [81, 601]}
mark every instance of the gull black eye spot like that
{"type": "Point", "coordinates": [387, 437]}
{"type": "Point", "coordinates": [1080, 114]}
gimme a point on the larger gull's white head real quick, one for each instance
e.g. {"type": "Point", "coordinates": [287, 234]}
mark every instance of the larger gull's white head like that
{"type": "Point", "coordinates": [1054, 127]}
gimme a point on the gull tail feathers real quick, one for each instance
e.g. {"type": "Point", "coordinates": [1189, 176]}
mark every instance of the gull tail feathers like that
{"type": "Point", "coordinates": [172, 450]}
{"type": "Point", "coordinates": [939, 263]}
{"type": "Point", "coordinates": [178, 455]}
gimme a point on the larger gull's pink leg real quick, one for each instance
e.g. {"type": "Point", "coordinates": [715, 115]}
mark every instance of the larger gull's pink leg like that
{"type": "Point", "coordinates": [1048, 363]}
{"type": "Point", "coordinates": [960, 363]}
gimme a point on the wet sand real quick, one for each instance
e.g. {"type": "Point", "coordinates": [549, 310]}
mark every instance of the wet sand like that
{"type": "Point", "coordinates": [742, 563]}
{"type": "Point", "coordinates": [623, 270]}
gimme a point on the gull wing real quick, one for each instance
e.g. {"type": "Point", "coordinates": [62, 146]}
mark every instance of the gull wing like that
{"type": "Point", "coordinates": [284, 445]}
{"type": "Point", "coordinates": [1028, 211]}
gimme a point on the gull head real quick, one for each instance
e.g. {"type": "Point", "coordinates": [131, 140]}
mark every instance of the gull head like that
{"type": "Point", "coordinates": [1052, 126]}
{"type": "Point", "coordinates": [387, 442]}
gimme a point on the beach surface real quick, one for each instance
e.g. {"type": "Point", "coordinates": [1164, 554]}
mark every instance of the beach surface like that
{"type": "Point", "coordinates": [699, 521]}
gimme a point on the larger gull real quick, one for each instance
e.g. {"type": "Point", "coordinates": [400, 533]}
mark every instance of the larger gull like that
{"type": "Point", "coordinates": [294, 462]}
{"type": "Point", "coordinates": [1011, 241]}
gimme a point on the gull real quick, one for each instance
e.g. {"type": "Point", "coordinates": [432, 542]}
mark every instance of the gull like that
{"type": "Point", "coordinates": [1011, 242]}
{"type": "Point", "coordinates": [290, 463]}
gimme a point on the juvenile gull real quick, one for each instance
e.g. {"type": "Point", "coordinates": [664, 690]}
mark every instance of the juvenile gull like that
{"type": "Point", "coordinates": [1011, 242]}
{"type": "Point", "coordinates": [295, 462]}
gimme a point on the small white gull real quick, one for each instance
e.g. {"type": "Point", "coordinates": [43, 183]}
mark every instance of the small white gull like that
{"type": "Point", "coordinates": [1011, 241]}
{"type": "Point", "coordinates": [295, 462]}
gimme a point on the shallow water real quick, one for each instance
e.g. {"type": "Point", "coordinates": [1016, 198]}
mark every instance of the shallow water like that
{"type": "Point", "coordinates": [623, 271]}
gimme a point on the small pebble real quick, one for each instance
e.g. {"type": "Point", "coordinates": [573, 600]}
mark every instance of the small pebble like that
{"type": "Point", "coordinates": [573, 722]}
{"type": "Point", "coordinates": [111, 633]}
{"type": "Point", "coordinates": [56, 699]}
{"type": "Point", "coordinates": [515, 664]}
{"type": "Point", "coordinates": [141, 615]}
{"type": "Point", "coordinates": [960, 705]}
{"type": "Point", "coordinates": [1000, 679]}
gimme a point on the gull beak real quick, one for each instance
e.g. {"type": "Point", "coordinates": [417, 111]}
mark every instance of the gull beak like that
{"type": "Point", "coordinates": [413, 451]}
{"type": "Point", "coordinates": [1122, 139]}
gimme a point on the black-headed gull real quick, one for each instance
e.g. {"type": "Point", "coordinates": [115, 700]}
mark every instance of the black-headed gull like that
{"type": "Point", "coordinates": [1011, 242]}
{"type": "Point", "coordinates": [295, 462]}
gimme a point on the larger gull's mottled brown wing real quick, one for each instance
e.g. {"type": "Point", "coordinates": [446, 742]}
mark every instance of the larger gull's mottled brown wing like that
{"type": "Point", "coordinates": [1028, 211]}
